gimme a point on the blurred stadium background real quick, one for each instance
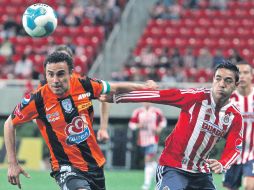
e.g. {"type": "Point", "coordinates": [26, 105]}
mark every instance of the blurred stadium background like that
{"type": "Point", "coordinates": [175, 42]}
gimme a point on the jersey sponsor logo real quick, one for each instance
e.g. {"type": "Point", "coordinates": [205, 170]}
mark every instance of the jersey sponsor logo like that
{"type": "Point", "coordinates": [49, 108]}
{"type": "Point", "coordinates": [238, 145]}
{"type": "Point", "coordinates": [213, 129]}
{"type": "Point", "coordinates": [64, 176]}
{"type": "Point", "coordinates": [26, 99]}
{"type": "Point", "coordinates": [67, 105]}
{"type": "Point", "coordinates": [17, 112]}
{"type": "Point", "coordinates": [84, 95]}
{"type": "Point", "coordinates": [77, 131]}
{"type": "Point", "coordinates": [82, 107]}
{"type": "Point", "coordinates": [248, 116]}
{"type": "Point", "coordinates": [53, 117]}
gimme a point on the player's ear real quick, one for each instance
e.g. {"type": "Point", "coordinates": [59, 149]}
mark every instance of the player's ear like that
{"type": "Point", "coordinates": [237, 83]}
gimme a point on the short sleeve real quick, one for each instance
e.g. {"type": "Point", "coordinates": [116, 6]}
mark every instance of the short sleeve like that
{"type": "Point", "coordinates": [25, 111]}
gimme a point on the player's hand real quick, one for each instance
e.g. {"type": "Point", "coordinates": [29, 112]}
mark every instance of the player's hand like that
{"type": "Point", "coordinates": [102, 135]}
{"type": "Point", "coordinates": [150, 84]}
{"type": "Point", "coordinates": [106, 98]}
{"type": "Point", "coordinates": [215, 165]}
{"type": "Point", "coordinates": [13, 174]}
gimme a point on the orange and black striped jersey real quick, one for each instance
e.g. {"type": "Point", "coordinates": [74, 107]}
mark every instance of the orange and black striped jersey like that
{"type": "Point", "coordinates": [66, 123]}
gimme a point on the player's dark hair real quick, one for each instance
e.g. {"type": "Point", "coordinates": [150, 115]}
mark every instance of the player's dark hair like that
{"type": "Point", "coordinates": [226, 64]}
{"type": "Point", "coordinates": [244, 63]}
{"type": "Point", "coordinates": [57, 57]}
{"type": "Point", "coordinates": [64, 49]}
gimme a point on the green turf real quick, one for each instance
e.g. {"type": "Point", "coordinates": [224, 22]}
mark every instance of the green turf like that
{"type": "Point", "coordinates": [115, 180]}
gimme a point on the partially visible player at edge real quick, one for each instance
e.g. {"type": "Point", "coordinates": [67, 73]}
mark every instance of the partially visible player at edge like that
{"type": "Point", "coordinates": [243, 98]}
{"type": "Point", "coordinates": [206, 116]}
{"type": "Point", "coordinates": [64, 113]}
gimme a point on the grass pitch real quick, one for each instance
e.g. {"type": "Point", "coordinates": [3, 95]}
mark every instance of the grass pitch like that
{"type": "Point", "coordinates": [115, 180]}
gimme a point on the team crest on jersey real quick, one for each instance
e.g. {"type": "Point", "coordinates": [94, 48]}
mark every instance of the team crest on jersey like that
{"type": "Point", "coordinates": [77, 131]}
{"type": "Point", "coordinates": [67, 105]}
{"type": "Point", "coordinates": [226, 119]}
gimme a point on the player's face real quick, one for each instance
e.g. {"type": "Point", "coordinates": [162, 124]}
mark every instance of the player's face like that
{"type": "Point", "coordinates": [245, 79]}
{"type": "Point", "coordinates": [58, 77]}
{"type": "Point", "coordinates": [223, 85]}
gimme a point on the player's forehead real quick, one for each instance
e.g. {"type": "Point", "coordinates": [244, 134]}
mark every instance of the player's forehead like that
{"type": "Point", "coordinates": [56, 67]}
{"type": "Point", "coordinates": [244, 67]}
{"type": "Point", "coordinates": [225, 73]}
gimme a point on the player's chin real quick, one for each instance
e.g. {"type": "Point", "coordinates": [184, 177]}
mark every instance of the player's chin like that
{"type": "Point", "coordinates": [58, 91]}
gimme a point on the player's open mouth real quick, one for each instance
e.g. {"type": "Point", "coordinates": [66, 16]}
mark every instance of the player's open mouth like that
{"type": "Point", "coordinates": [56, 87]}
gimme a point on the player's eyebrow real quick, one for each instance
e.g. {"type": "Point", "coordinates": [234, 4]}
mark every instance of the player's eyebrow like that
{"type": "Point", "coordinates": [58, 71]}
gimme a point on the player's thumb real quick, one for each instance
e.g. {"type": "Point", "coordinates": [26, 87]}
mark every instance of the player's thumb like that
{"type": "Point", "coordinates": [26, 174]}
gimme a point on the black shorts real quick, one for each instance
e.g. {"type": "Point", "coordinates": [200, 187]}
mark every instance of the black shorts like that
{"type": "Point", "coordinates": [233, 176]}
{"type": "Point", "coordinates": [70, 178]}
{"type": "Point", "coordinates": [176, 179]}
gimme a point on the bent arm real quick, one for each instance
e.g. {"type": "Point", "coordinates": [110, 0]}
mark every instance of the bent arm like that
{"type": "Point", "coordinates": [14, 169]}
{"type": "Point", "coordinates": [102, 134]}
{"type": "Point", "coordinates": [233, 145]}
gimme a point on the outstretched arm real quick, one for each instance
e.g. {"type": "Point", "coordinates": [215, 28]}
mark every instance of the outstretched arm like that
{"type": "Point", "coordinates": [122, 87]}
{"type": "Point", "coordinates": [14, 169]}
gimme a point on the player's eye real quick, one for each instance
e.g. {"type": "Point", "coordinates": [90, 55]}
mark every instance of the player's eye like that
{"type": "Point", "coordinates": [228, 81]}
{"type": "Point", "coordinates": [218, 79]}
{"type": "Point", "coordinates": [51, 74]}
{"type": "Point", "coordinates": [60, 74]}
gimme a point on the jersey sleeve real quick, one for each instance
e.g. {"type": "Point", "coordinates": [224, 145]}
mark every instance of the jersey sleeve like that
{"type": "Point", "coordinates": [99, 87]}
{"type": "Point", "coordinates": [174, 97]}
{"type": "Point", "coordinates": [233, 145]}
{"type": "Point", "coordinates": [162, 121]}
{"type": "Point", "coordinates": [133, 123]}
{"type": "Point", "coordinates": [25, 111]}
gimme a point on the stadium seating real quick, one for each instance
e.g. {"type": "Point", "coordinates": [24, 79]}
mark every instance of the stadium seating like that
{"type": "Point", "coordinates": [87, 35]}
{"type": "Point", "coordinates": [227, 29]}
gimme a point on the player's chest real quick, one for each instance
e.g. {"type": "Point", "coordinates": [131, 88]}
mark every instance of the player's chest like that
{"type": "Point", "coordinates": [214, 122]}
{"type": "Point", "coordinates": [65, 109]}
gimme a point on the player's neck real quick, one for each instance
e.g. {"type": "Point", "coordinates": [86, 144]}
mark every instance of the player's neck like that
{"type": "Point", "coordinates": [244, 91]}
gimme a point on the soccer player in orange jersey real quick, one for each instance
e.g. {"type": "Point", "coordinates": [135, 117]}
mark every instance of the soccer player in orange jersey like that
{"type": "Point", "coordinates": [64, 113]}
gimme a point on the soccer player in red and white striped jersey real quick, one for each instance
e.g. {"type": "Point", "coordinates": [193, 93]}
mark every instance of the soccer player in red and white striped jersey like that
{"type": "Point", "coordinates": [243, 98]}
{"type": "Point", "coordinates": [206, 116]}
{"type": "Point", "coordinates": [149, 121]}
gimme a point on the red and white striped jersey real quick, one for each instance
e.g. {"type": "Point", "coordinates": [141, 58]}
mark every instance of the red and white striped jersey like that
{"type": "Point", "coordinates": [199, 127]}
{"type": "Point", "coordinates": [150, 119]}
{"type": "Point", "coordinates": [246, 106]}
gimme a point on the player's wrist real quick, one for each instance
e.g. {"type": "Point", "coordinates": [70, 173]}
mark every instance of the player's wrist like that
{"type": "Point", "coordinates": [12, 162]}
